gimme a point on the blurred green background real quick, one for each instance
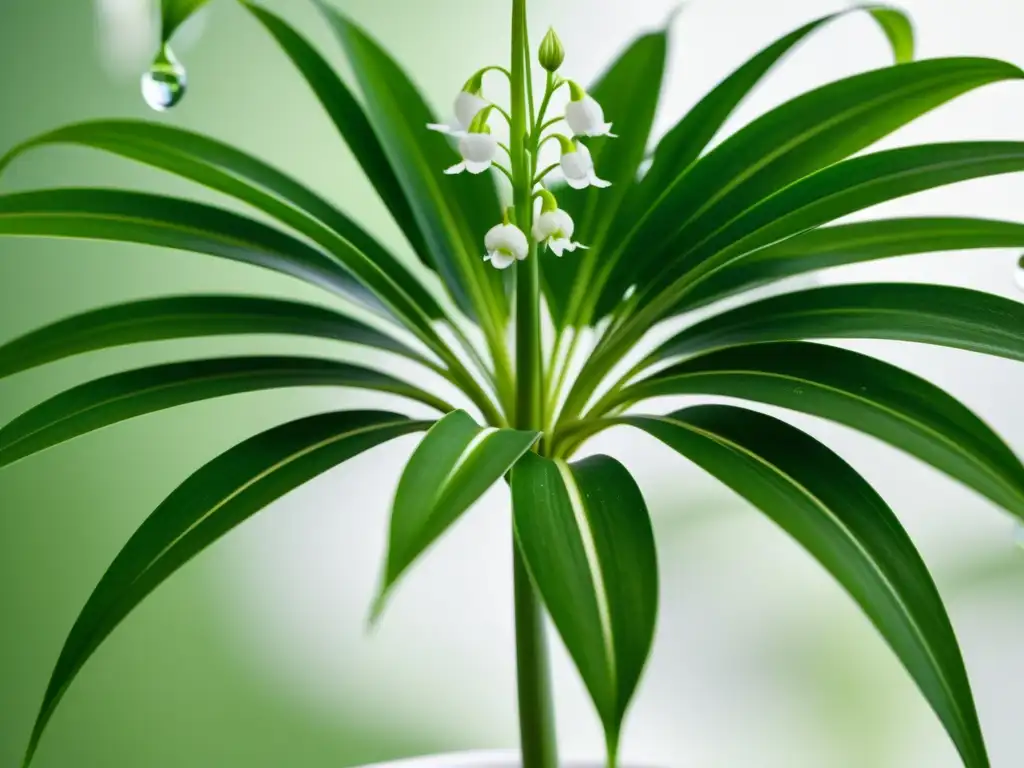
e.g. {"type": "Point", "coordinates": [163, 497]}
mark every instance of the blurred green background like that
{"type": "Point", "coordinates": [255, 654]}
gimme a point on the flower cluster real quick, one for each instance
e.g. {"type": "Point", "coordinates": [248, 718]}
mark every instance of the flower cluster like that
{"type": "Point", "coordinates": [470, 127]}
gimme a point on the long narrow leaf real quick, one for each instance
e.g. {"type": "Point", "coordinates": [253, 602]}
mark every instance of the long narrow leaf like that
{"type": "Point", "coordinates": [223, 168]}
{"type": "Point", "coordinates": [794, 140]}
{"type": "Point", "coordinates": [348, 117]}
{"type": "Point", "coordinates": [174, 13]}
{"type": "Point", "coordinates": [450, 470]}
{"type": "Point", "coordinates": [112, 399]}
{"type": "Point", "coordinates": [453, 213]}
{"type": "Point", "coordinates": [135, 217]}
{"type": "Point", "coordinates": [820, 501]}
{"type": "Point", "coordinates": [863, 393]}
{"type": "Point", "coordinates": [928, 314]}
{"type": "Point", "coordinates": [187, 317]}
{"type": "Point", "coordinates": [629, 93]}
{"type": "Point", "coordinates": [586, 537]}
{"type": "Point", "coordinates": [852, 244]}
{"type": "Point", "coordinates": [217, 498]}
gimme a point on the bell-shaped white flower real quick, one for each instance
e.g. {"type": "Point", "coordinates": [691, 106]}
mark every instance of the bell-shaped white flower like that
{"type": "Point", "coordinates": [478, 151]}
{"type": "Point", "coordinates": [505, 245]}
{"type": "Point", "coordinates": [578, 167]}
{"type": "Point", "coordinates": [467, 107]}
{"type": "Point", "coordinates": [554, 227]}
{"type": "Point", "coordinates": [584, 115]}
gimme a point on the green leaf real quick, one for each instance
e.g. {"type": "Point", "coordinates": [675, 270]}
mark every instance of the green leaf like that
{"type": "Point", "coordinates": [701, 211]}
{"type": "Point", "coordinates": [584, 532]}
{"type": "Point", "coordinates": [628, 92]}
{"type": "Point", "coordinates": [348, 117]}
{"type": "Point", "coordinates": [174, 13]}
{"type": "Point", "coordinates": [112, 399]}
{"type": "Point", "coordinates": [135, 217]}
{"type": "Point", "coordinates": [187, 317]}
{"type": "Point", "coordinates": [852, 244]}
{"type": "Point", "coordinates": [819, 500]}
{"type": "Point", "coordinates": [927, 314]}
{"type": "Point", "coordinates": [450, 470]}
{"type": "Point", "coordinates": [684, 143]}
{"type": "Point", "coordinates": [454, 213]}
{"type": "Point", "coordinates": [217, 498]}
{"type": "Point", "coordinates": [221, 167]}
{"type": "Point", "coordinates": [860, 392]}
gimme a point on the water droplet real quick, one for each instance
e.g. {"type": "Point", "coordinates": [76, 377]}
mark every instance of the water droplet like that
{"type": "Point", "coordinates": [165, 83]}
{"type": "Point", "coordinates": [798, 390]}
{"type": "Point", "coordinates": [1019, 273]}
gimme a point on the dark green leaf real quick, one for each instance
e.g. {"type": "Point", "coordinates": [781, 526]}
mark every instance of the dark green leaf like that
{"type": "Point", "coordinates": [112, 399]}
{"type": "Point", "coordinates": [928, 314]}
{"type": "Point", "coordinates": [246, 178]}
{"type": "Point", "coordinates": [701, 212]}
{"type": "Point", "coordinates": [451, 469]}
{"type": "Point", "coordinates": [860, 392]}
{"type": "Point", "coordinates": [135, 217]}
{"type": "Point", "coordinates": [454, 213]}
{"type": "Point", "coordinates": [585, 534]}
{"type": "Point", "coordinates": [628, 92]}
{"type": "Point", "coordinates": [835, 515]}
{"type": "Point", "coordinates": [213, 501]}
{"type": "Point", "coordinates": [173, 13]}
{"type": "Point", "coordinates": [349, 118]}
{"type": "Point", "coordinates": [851, 244]}
{"type": "Point", "coordinates": [691, 135]}
{"type": "Point", "coordinates": [187, 317]}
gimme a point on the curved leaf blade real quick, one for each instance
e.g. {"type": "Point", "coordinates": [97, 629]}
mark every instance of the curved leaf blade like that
{"type": "Point", "coordinates": [454, 465]}
{"type": "Point", "coordinates": [213, 501]}
{"type": "Point", "coordinates": [135, 217]}
{"type": "Point", "coordinates": [187, 317]}
{"type": "Point", "coordinates": [174, 13]}
{"type": "Point", "coordinates": [454, 214]}
{"type": "Point", "coordinates": [225, 169]}
{"type": "Point", "coordinates": [926, 314]}
{"type": "Point", "coordinates": [861, 392]}
{"type": "Point", "coordinates": [586, 538]}
{"type": "Point", "coordinates": [121, 396]}
{"type": "Point", "coordinates": [819, 500]}
{"type": "Point", "coordinates": [799, 138]}
{"type": "Point", "coordinates": [350, 119]}
{"type": "Point", "coordinates": [854, 243]}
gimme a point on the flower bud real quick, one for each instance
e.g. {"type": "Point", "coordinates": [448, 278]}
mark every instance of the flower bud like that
{"type": "Point", "coordinates": [551, 54]}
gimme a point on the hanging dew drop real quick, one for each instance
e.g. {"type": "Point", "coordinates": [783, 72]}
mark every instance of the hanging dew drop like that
{"type": "Point", "coordinates": [1019, 273]}
{"type": "Point", "coordinates": [164, 84]}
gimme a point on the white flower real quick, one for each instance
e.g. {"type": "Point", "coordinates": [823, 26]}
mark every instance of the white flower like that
{"type": "Point", "coordinates": [578, 167]}
{"type": "Point", "coordinates": [478, 151]}
{"type": "Point", "coordinates": [586, 118]}
{"type": "Point", "coordinates": [505, 244]}
{"type": "Point", "coordinates": [554, 229]}
{"type": "Point", "coordinates": [467, 107]}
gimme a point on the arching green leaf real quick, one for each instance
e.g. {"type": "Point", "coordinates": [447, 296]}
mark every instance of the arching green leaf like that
{"type": "Point", "coordinates": [174, 13]}
{"type": "Point", "coordinates": [213, 501]}
{"type": "Point", "coordinates": [586, 537]}
{"type": "Point", "coordinates": [112, 399]}
{"type": "Point", "coordinates": [187, 317]}
{"type": "Point", "coordinates": [703, 206]}
{"type": "Point", "coordinates": [450, 470]}
{"type": "Point", "coordinates": [819, 500]}
{"type": "Point", "coordinates": [928, 314]}
{"type": "Point", "coordinates": [851, 244]}
{"type": "Point", "coordinates": [348, 117]}
{"type": "Point", "coordinates": [454, 213]}
{"type": "Point", "coordinates": [135, 217]}
{"type": "Point", "coordinates": [221, 167]}
{"type": "Point", "coordinates": [863, 393]}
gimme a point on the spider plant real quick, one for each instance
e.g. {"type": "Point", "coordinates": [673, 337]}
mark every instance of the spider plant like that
{"type": "Point", "coordinates": [548, 299]}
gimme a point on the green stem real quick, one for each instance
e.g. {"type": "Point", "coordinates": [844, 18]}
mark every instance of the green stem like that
{"type": "Point", "coordinates": [536, 710]}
